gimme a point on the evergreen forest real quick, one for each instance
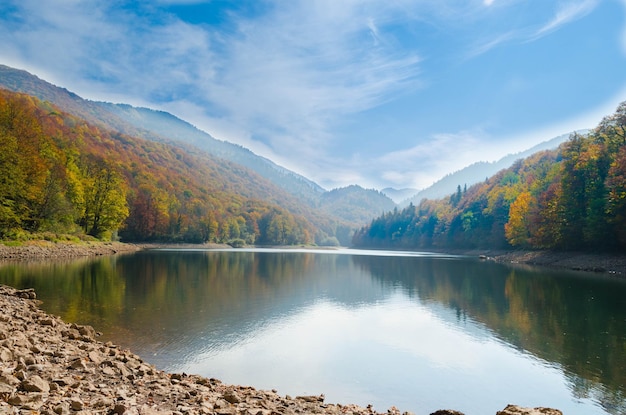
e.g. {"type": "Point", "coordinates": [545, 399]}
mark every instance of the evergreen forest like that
{"type": "Point", "coordinates": [572, 198]}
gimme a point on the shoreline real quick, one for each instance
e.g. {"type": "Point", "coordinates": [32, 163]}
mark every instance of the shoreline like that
{"type": "Point", "coordinates": [601, 263]}
{"type": "Point", "coordinates": [51, 367]}
{"type": "Point", "coordinates": [48, 366]}
{"type": "Point", "coordinates": [610, 264]}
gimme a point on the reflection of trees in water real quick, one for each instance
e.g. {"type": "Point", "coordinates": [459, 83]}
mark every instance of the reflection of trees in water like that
{"type": "Point", "coordinates": [577, 322]}
{"type": "Point", "coordinates": [172, 298]}
{"type": "Point", "coordinates": [75, 289]}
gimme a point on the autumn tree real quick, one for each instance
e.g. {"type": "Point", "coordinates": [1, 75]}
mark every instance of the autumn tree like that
{"type": "Point", "coordinates": [517, 229]}
{"type": "Point", "coordinates": [105, 199]}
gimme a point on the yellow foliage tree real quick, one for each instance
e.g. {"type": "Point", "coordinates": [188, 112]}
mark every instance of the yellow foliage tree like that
{"type": "Point", "coordinates": [517, 230]}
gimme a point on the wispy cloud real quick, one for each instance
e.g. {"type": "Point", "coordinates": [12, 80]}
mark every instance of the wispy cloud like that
{"type": "Point", "coordinates": [281, 79]}
{"type": "Point", "coordinates": [566, 13]}
{"type": "Point", "coordinates": [299, 69]}
{"type": "Point", "coordinates": [624, 30]}
{"type": "Point", "coordinates": [490, 44]}
{"type": "Point", "coordinates": [426, 162]}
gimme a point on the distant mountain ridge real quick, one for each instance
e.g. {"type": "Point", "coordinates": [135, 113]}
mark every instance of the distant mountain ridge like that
{"type": "Point", "coordinates": [398, 195]}
{"type": "Point", "coordinates": [171, 127]}
{"type": "Point", "coordinates": [164, 127]}
{"type": "Point", "coordinates": [157, 126]}
{"type": "Point", "coordinates": [350, 205]}
{"type": "Point", "coordinates": [360, 203]}
{"type": "Point", "coordinates": [479, 171]}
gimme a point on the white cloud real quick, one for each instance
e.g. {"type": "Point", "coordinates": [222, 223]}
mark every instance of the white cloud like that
{"type": "Point", "coordinates": [491, 44]}
{"type": "Point", "coordinates": [423, 164]}
{"type": "Point", "coordinates": [292, 73]}
{"type": "Point", "coordinates": [624, 31]}
{"type": "Point", "coordinates": [279, 82]}
{"type": "Point", "coordinates": [567, 13]}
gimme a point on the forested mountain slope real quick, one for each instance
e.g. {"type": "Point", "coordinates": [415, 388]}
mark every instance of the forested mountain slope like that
{"type": "Point", "coordinates": [355, 203]}
{"type": "Point", "coordinates": [156, 126]}
{"type": "Point", "coordinates": [572, 198]}
{"type": "Point", "coordinates": [159, 126]}
{"type": "Point", "coordinates": [477, 172]}
{"type": "Point", "coordinates": [58, 173]}
{"type": "Point", "coordinates": [170, 127]}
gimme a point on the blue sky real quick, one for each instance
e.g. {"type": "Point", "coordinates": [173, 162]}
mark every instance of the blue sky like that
{"type": "Point", "coordinates": [376, 93]}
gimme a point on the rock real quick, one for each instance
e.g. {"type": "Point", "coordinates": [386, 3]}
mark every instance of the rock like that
{"type": "Point", "coordinates": [28, 293]}
{"type": "Point", "coordinates": [76, 404]}
{"type": "Point", "coordinates": [50, 367]}
{"type": "Point", "coordinates": [32, 401]}
{"type": "Point", "coordinates": [313, 398]}
{"type": "Point", "coordinates": [119, 409]}
{"type": "Point", "coordinates": [6, 389]}
{"type": "Point", "coordinates": [447, 412]}
{"type": "Point", "coordinates": [95, 357]}
{"type": "Point", "coordinates": [35, 384]}
{"type": "Point", "coordinates": [518, 410]}
{"type": "Point", "coordinates": [78, 364]}
{"type": "Point", "coordinates": [48, 321]}
{"type": "Point", "coordinates": [62, 409]}
{"type": "Point", "coordinates": [231, 397]}
{"type": "Point", "coordinates": [87, 331]}
{"type": "Point", "coordinates": [5, 354]}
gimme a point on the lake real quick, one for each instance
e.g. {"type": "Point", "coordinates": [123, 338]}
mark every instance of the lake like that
{"type": "Point", "coordinates": [418, 331]}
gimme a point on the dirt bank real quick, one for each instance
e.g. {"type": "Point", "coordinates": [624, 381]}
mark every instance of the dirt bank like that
{"type": "Point", "coordinates": [603, 263]}
{"type": "Point", "coordinates": [48, 250]}
{"type": "Point", "coordinates": [606, 263]}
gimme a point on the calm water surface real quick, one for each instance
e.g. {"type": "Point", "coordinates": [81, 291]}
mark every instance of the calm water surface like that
{"type": "Point", "coordinates": [421, 332]}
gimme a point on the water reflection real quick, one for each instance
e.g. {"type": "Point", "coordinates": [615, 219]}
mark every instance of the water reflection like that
{"type": "Point", "coordinates": [420, 332]}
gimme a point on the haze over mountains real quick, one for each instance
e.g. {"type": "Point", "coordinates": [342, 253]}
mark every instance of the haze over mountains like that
{"type": "Point", "coordinates": [477, 172]}
{"type": "Point", "coordinates": [351, 206]}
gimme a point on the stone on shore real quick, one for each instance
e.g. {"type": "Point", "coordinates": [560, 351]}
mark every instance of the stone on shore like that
{"type": "Point", "coordinates": [51, 367]}
{"type": "Point", "coordinates": [518, 410]}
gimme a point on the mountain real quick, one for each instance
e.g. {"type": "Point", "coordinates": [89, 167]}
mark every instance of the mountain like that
{"type": "Point", "coordinates": [478, 172]}
{"type": "Point", "coordinates": [355, 203]}
{"type": "Point", "coordinates": [170, 127]}
{"type": "Point", "coordinates": [571, 199]}
{"type": "Point", "coordinates": [157, 126]}
{"type": "Point", "coordinates": [60, 174]}
{"type": "Point", "coordinates": [398, 195]}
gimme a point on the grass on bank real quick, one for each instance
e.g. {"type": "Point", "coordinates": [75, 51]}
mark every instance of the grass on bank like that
{"type": "Point", "coordinates": [20, 237]}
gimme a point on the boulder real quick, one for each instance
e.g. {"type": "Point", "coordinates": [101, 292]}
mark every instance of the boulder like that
{"type": "Point", "coordinates": [518, 410]}
{"type": "Point", "coordinates": [35, 384]}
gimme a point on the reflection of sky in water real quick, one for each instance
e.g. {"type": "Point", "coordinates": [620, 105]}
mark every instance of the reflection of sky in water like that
{"type": "Point", "coordinates": [421, 332]}
{"type": "Point", "coordinates": [337, 351]}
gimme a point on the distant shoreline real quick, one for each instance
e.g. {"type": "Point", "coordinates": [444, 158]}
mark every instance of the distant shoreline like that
{"type": "Point", "coordinates": [602, 263]}
{"type": "Point", "coordinates": [612, 264]}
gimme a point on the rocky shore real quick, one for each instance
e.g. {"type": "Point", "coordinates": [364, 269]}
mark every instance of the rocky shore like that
{"type": "Point", "coordinates": [48, 366]}
{"type": "Point", "coordinates": [601, 263]}
{"type": "Point", "coordinates": [59, 250]}
{"type": "Point", "coordinates": [51, 367]}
